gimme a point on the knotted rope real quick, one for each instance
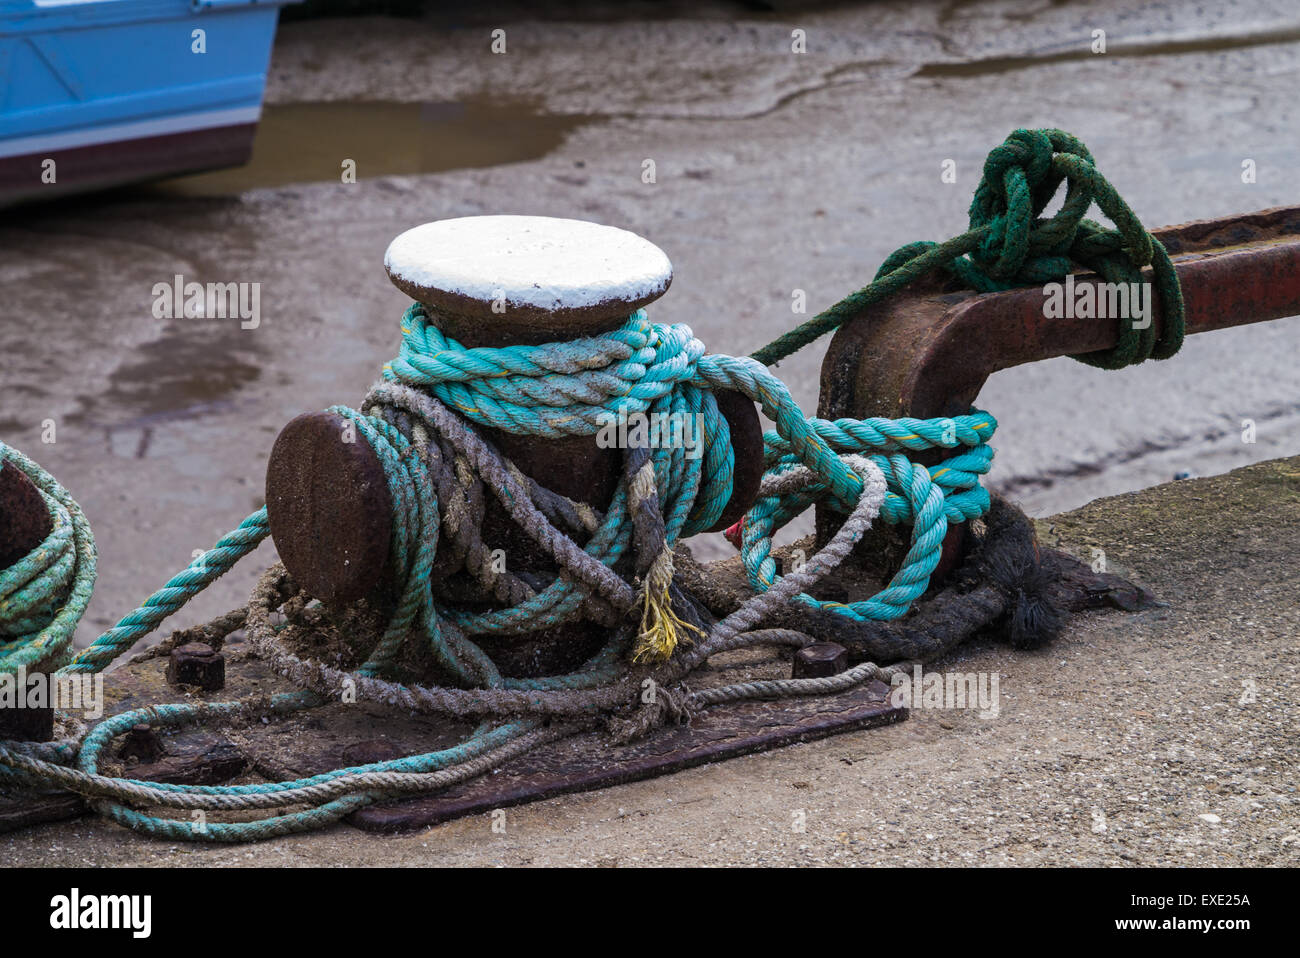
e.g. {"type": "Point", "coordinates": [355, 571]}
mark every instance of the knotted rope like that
{"type": "Point", "coordinates": [419, 420]}
{"type": "Point", "coordinates": [1010, 244]}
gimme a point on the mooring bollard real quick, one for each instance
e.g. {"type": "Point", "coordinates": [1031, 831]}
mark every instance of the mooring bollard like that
{"type": "Point", "coordinates": [24, 524]}
{"type": "Point", "coordinates": [927, 353]}
{"type": "Point", "coordinates": [486, 281]}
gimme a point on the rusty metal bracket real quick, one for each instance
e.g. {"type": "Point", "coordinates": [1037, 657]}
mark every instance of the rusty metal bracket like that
{"type": "Point", "coordinates": [928, 353]}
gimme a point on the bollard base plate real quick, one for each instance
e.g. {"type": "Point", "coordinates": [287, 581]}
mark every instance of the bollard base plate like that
{"type": "Point", "coordinates": [342, 735]}
{"type": "Point", "coordinates": [587, 762]}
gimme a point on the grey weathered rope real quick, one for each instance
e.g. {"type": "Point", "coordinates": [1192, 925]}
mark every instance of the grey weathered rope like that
{"type": "Point", "coordinates": [212, 632]}
{"type": "Point", "coordinates": [999, 576]}
{"type": "Point", "coordinates": [761, 606]}
{"type": "Point", "coordinates": [576, 563]}
{"type": "Point", "coordinates": [785, 688]}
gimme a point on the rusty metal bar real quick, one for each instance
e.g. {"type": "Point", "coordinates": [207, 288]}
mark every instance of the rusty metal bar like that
{"type": "Point", "coordinates": [929, 355]}
{"type": "Point", "coordinates": [929, 352]}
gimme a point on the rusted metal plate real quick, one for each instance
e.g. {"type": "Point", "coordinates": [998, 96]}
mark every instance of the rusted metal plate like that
{"type": "Point", "coordinates": [28, 811]}
{"type": "Point", "coordinates": [344, 735]}
{"type": "Point", "coordinates": [586, 762]}
{"type": "Point", "coordinates": [192, 755]}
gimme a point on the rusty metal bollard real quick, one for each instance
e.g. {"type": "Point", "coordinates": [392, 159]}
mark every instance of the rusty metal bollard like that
{"type": "Point", "coordinates": [487, 281]}
{"type": "Point", "coordinates": [24, 524]}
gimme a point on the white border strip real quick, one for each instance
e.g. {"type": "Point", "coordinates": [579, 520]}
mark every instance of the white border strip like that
{"type": "Point", "coordinates": [182, 123]}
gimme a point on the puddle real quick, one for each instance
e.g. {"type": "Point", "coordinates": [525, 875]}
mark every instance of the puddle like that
{"type": "Point", "coordinates": [173, 377]}
{"type": "Point", "coordinates": [308, 142]}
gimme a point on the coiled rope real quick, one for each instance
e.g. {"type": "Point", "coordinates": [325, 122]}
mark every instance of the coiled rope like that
{"type": "Point", "coordinates": [44, 594]}
{"type": "Point", "coordinates": [419, 420]}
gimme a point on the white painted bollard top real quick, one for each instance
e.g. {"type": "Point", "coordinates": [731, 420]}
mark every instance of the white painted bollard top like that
{"type": "Point", "coordinates": [530, 268]}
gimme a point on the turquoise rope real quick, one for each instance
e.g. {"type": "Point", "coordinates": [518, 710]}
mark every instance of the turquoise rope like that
{"type": "Point", "coordinates": [180, 588]}
{"type": "Point", "coordinates": [568, 389]}
{"type": "Point", "coordinates": [44, 594]}
{"type": "Point", "coordinates": [572, 389]}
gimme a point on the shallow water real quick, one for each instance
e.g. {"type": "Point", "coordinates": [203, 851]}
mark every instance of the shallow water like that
{"type": "Point", "coordinates": [310, 142]}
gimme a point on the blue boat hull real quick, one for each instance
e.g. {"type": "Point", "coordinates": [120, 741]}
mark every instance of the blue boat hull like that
{"type": "Point", "coordinates": [102, 92]}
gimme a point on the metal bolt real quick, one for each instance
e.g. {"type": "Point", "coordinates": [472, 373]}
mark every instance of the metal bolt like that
{"type": "Point", "coordinates": [142, 744]}
{"type": "Point", "coordinates": [197, 663]}
{"type": "Point", "coordinates": [819, 660]}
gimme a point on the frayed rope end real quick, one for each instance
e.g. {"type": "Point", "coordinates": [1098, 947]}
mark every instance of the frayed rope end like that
{"type": "Point", "coordinates": [662, 629]}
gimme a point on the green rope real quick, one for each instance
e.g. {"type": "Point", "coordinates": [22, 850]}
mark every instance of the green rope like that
{"type": "Point", "coordinates": [419, 417]}
{"type": "Point", "coordinates": [1010, 244]}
